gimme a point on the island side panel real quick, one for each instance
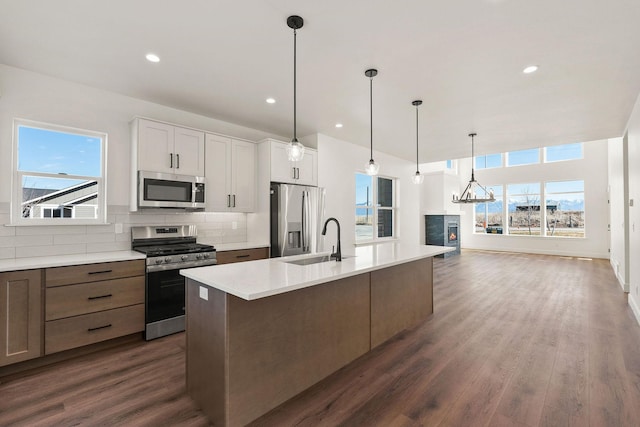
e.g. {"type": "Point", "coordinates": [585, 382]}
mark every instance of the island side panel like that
{"type": "Point", "coordinates": [281, 345]}
{"type": "Point", "coordinates": [206, 357]}
{"type": "Point", "coordinates": [401, 297]}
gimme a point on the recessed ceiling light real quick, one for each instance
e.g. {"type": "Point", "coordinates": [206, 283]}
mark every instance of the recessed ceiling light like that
{"type": "Point", "coordinates": [152, 57]}
{"type": "Point", "coordinates": [270, 101]}
{"type": "Point", "coordinates": [338, 125]}
{"type": "Point", "coordinates": [530, 69]}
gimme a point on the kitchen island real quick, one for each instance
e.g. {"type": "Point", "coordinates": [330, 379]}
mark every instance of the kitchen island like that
{"type": "Point", "coordinates": [258, 333]}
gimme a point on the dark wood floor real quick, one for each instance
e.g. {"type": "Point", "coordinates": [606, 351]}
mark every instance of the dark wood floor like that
{"type": "Point", "coordinates": [516, 340]}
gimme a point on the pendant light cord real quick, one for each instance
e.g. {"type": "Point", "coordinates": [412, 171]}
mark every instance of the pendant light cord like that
{"type": "Point", "coordinates": [295, 139]}
{"type": "Point", "coordinates": [371, 114]}
{"type": "Point", "coordinates": [417, 139]}
{"type": "Point", "coordinates": [473, 159]}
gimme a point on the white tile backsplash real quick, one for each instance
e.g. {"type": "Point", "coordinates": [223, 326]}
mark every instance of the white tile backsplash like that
{"type": "Point", "coordinates": [30, 241]}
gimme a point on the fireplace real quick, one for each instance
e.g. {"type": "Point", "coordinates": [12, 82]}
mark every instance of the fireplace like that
{"type": "Point", "coordinates": [443, 230]}
{"type": "Point", "coordinates": [452, 232]}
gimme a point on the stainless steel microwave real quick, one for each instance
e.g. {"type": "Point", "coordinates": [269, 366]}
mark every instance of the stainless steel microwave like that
{"type": "Point", "coordinates": [164, 190]}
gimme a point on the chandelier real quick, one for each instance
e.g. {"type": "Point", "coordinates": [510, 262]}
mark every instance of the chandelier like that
{"type": "Point", "coordinates": [474, 192]}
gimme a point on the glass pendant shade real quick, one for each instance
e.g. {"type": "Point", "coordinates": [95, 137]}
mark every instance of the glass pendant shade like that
{"type": "Point", "coordinates": [418, 178]}
{"type": "Point", "coordinates": [372, 168]}
{"type": "Point", "coordinates": [295, 151]}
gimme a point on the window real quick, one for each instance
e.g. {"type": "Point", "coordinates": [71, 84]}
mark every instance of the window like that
{"type": "Point", "coordinates": [375, 205]}
{"type": "Point", "coordinates": [489, 216]}
{"type": "Point", "coordinates": [488, 161]}
{"type": "Point", "coordinates": [565, 208]}
{"type": "Point", "coordinates": [560, 153]}
{"type": "Point", "coordinates": [523, 157]}
{"type": "Point", "coordinates": [59, 175]}
{"type": "Point", "coordinates": [524, 209]}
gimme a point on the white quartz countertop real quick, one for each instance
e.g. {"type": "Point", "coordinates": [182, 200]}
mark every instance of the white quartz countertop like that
{"type": "Point", "coordinates": [15, 264]}
{"type": "Point", "coordinates": [262, 278]}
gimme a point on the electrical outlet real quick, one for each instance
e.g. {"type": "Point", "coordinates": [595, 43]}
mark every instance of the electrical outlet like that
{"type": "Point", "coordinates": [234, 225]}
{"type": "Point", "coordinates": [118, 228]}
{"type": "Point", "coordinates": [204, 293]}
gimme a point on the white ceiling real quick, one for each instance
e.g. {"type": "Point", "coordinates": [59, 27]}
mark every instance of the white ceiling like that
{"type": "Point", "coordinates": [463, 58]}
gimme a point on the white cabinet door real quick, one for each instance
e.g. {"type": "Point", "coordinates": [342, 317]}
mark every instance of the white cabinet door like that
{"type": "Point", "coordinates": [218, 173]}
{"type": "Point", "coordinates": [155, 146]}
{"type": "Point", "coordinates": [170, 149]}
{"type": "Point", "coordinates": [189, 152]}
{"type": "Point", "coordinates": [231, 171]}
{"type": "Point", "coordinates": [307, 172]}
{"type": "Point", "coordinates": [303, 172]}
{"type": "Point", "coordinates": [281, 168]}
{"type": "Point", "coordinates": [244, 174]}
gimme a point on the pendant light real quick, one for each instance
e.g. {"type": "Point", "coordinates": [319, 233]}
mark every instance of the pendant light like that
{"type": "Point", "coordinates": [295, 150]}
{"type": "Point", "coordinates": [372, 167]}
{"type": "Point", "coordinates": [418, 178]}
{"type": "Point", "coordinates": [474, 192]}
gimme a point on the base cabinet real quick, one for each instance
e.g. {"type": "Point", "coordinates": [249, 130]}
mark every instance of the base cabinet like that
{"type": "Point", "coordinates": [86, 304]}
{"type": "Point", "coordinates": [20, 316]}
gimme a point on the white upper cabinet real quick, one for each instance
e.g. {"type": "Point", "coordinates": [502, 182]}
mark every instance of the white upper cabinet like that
{"type": "Point", "coordinates": [303, 172]}
{"type": "Point", "coordinates": [231, 166]}
{"type": "Point", "coordinates": [162, 147]}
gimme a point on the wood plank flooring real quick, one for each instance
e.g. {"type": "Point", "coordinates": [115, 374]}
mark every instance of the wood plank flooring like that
{"type": "Point", "coordinates": [516, 340]}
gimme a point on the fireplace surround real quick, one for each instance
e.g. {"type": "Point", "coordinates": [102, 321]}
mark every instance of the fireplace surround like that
{"type": "Point", "coordinates": [443, 230]}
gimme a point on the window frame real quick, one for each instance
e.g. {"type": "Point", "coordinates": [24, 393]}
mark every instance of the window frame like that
{"type": "Point", "coordinates": [16, 216]}
{"type": "Point", "coordinates": [375, 206]}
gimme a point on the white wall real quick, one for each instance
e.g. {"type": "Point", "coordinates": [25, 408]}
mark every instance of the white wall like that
{"type": "Point", "coordinates": [42, 98]}
{"type": "Point", "coordinates": [592, 169]}
{"type": "Point", "coordinates": [618, 193]}
{"type": "Point", "coordinates": [338, 161]}
{"type": "Point", "coordinates": [633, 162]}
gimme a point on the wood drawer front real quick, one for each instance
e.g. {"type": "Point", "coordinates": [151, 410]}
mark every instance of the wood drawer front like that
{"type": "Point", "coordinates": [84, 298]}
{"type": "Point", "coordinates": [228, 257]}
{"type": "Point", "coordinates": [87, 329]}
{"type": "Point", "coordinates": [60, 276]}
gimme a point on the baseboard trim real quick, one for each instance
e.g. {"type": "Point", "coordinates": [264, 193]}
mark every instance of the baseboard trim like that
{"type": "Point", "coordinates": [635, 309]}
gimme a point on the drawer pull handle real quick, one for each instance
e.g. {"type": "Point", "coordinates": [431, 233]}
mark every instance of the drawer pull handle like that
{"type": "Point", "coordinates": [99, 297]}
{"type": "Point", "coordinates": [99, 327]}
{"type": "Point", "coordinates": [243, 256]}
{"type": "Point", "coordinates": [100, 272]}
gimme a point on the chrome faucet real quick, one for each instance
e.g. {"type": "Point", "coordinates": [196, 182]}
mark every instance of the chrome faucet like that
{"type": "Point", "coordinates": [337, 254]}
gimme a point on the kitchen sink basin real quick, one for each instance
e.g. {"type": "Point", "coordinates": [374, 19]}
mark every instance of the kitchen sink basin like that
{"type": "Point", "coordinates": [313, 260]}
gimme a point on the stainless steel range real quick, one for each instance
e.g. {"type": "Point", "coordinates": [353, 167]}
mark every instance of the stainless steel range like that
{"type": "Point", "coordinates": [169, 249]}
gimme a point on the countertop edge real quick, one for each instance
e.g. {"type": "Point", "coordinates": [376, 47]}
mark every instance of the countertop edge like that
{"type": "Point", "coordinates": [309, 283]}
{"type": "Point", "coordinates": [33, 263]}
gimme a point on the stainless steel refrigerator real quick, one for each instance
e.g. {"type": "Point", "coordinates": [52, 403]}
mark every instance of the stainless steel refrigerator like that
{"type": "Point", "coordinates": [297, 212]}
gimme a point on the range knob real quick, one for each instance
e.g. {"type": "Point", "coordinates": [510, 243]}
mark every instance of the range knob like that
{"type": "Point", "coordinates": [199, 256]}
{"type": "Point", "coordinates": [205, 255]}
{"type": "Point", "coordinates": [184, 257]}
{"type": "Point", "coordinates": [158, 260]}
{"type": "Point", "coordinates": [167, 259]}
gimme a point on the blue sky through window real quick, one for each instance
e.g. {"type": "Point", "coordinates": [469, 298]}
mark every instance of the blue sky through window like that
{"type": "Point", "coordinates": [564, 152]}
{"type": "Point", "coordinates": [523, 157]}
{"type": "Point", "coordinates": [52, 152]}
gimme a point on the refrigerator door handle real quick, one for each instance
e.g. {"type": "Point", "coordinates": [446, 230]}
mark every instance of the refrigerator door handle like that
{"type": "Point", "coordinates": [307, 221]}
{"type": "Point", "coordinates": [304, 221]}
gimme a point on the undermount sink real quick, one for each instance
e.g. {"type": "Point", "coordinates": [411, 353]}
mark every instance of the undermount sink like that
{"type": "Point", "coordinates": [313, 260]}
